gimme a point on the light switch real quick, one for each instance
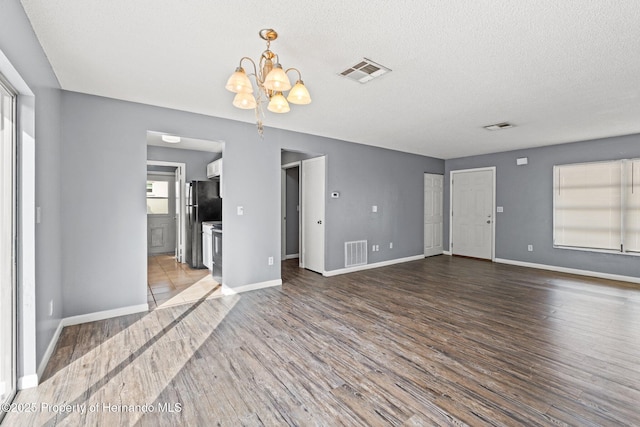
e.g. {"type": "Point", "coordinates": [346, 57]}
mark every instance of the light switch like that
{"type": "Point", "coordinates": [38, 215]}
{"type": "Point", "coordinates": [499, 209]}
{"type": "Point", "coordinates": [240, 210]}
{"type": "Point", "coordinates": [374, 208]}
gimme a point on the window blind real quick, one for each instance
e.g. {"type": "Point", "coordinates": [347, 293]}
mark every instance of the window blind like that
{"type": "Point", "coordinates": [597, 205]}
{"type": "Point", "coordinates": [587, 205]}
{"type": "Point", "coordinates": [632, 207]}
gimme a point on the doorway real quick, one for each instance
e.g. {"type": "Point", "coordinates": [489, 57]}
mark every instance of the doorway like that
{"type": "Point", "coordinates": [290, 211]}
{"type": "Point", "coordinates": [8, 347]}
{"type": "Point", "coordinates": [433, 214]}
{"type": "Point", "coordinates": [472, 204]}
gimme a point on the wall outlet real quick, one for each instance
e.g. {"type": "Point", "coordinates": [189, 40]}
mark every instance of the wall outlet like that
{"type": "Point", "coordinates": [51, 308]}
{"type": "Point", "coordinates": [390, 245]}
{"type": "Point", "coordinates": [500, 209]}
{"type": "Point", "coordinates": [240, 210]}
{"type": "Point", "coordinates": [374, 208]}
{"type": "Point", "coordinates": [530, 248]}
{"type": "Point", "coordinates": [270, 260]}
{"type": "Point", "coordinates": [38, 214]}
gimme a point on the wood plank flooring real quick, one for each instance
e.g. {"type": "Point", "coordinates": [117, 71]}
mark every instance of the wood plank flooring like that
{"type": "Point", "coordinates": [440, 341]}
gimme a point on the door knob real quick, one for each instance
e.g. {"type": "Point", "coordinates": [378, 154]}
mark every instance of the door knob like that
{"type": "Point", "coordinates": [319, 221]}
{"type": "Point", "coordinates": [489, 221]}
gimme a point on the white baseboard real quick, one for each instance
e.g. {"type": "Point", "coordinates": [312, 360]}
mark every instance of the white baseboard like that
{"type": "Point", "coordinates": [446, 253]}
{"type": "Point", "coordinates": [292, 256]}
{"type": "Point", "coordinates": [570, 270]}
{"type": "Point", "coordinates": [226, 290]}
{"type": "Point", "coordinates": [370, 266]}
{"type": "Point", "coordinates": [106, 314]}
{"type": "Point", "coordinates": [50, 348]}
{"type": "Point", "coordinates": [28, 381]}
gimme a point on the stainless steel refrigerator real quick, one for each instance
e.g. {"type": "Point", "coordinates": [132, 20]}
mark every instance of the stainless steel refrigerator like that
{"type": "Point", "coordinates": [203, 204]}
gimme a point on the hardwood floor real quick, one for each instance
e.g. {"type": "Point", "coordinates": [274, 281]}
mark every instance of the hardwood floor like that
{"type": "Point", "coordinates": [441, 341]}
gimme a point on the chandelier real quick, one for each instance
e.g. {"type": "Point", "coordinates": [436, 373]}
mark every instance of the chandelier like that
{"type": "Point", "coordinates": [271, 81]}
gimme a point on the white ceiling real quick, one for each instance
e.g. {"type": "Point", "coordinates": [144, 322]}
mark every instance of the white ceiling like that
{"type": "Point", "coordinates": [560, 71]}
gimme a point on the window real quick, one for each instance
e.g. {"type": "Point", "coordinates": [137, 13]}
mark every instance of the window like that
{"type": "Point", "coordinates": [157, 197]}
{"type": "Point", "coordinates": [597, 206]}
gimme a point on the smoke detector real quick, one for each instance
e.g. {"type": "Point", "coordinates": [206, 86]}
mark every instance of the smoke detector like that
{"type": "Point", "coordinates": [365, 71]}
{"type": "Point", "coordinates": [499, 126]}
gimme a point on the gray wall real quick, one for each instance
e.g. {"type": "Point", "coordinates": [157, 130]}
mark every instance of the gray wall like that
{"type": "Point", "coordinates": [196, 161]}
{"type": "Point", "coordinates": [526, 194]}
{"type": "Point", "coordinates": [95, 147]}
{"type": "Point", "coordinates": [293, 201]}
{"type": "Point", "coordinates": [20, 45]}
{"type": "Point", "coordinates": [394, 182]}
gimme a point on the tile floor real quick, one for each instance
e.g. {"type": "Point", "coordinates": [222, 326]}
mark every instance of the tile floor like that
{"type": "Point", "coordinates": [172, 283]}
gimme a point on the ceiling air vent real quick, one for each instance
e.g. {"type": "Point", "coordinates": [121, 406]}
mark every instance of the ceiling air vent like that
{"type": "Point", "coordinates": [499, 126]}
{"type": "Point", "coordinates": [364, 71]}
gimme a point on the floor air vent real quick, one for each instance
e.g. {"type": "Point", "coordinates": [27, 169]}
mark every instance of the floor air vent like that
{"type": "Point", "coordinates": [364, 71]}
{"type": "Point", "coordinates": [355, 253]}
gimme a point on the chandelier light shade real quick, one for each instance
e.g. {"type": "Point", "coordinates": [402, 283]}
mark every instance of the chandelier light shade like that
{"type": "Point", "coordinates": [246, 101]}
{"type": "Point", "coordinates": [299, 94]}
{"type": "Point", "coordinates": [277, 80]}
{"type": "Point", "coordinates": [278, 104]}
{"type": "Point", "coordinates": [239, 82]}
{"type": "Point", "coordinates": [271, 82]}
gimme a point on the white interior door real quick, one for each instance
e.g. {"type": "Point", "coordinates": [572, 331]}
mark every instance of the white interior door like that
{"type": "Point", "coordinates": [313, 193]}
{"type": "Point", "coordinates": [432, 214]}
{"type": "Point", "coordinates": [472, 207]}
{"type": "Point", "coordinates": [161, 212]}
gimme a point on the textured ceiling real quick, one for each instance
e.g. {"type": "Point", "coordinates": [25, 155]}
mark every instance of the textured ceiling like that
{"type": "Point", "coordinates": [560, 71]}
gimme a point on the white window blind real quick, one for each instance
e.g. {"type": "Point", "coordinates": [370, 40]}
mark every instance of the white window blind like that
{"type": "Point", "coordinates": [597, 205]}
{"type": "Point", "coordinates": [632, 207]}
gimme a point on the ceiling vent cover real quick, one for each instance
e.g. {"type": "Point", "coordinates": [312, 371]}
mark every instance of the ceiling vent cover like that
{"type": "Point", "coordinates": [499, 126]}
{"type": "Point", "coordinates": [364, 71]}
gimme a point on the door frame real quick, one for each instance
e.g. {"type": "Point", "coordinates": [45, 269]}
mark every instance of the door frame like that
{"type": "Point", "coordinates": [283, 207]}
{"type": "Point", "coordinates": [303, 230]}
{"type": "Point", "coordinates": [12, 227]}
{"type": "Point", "coordinates": [493, 205]}
{"type": "Point", "coordinates": [182, 172]}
